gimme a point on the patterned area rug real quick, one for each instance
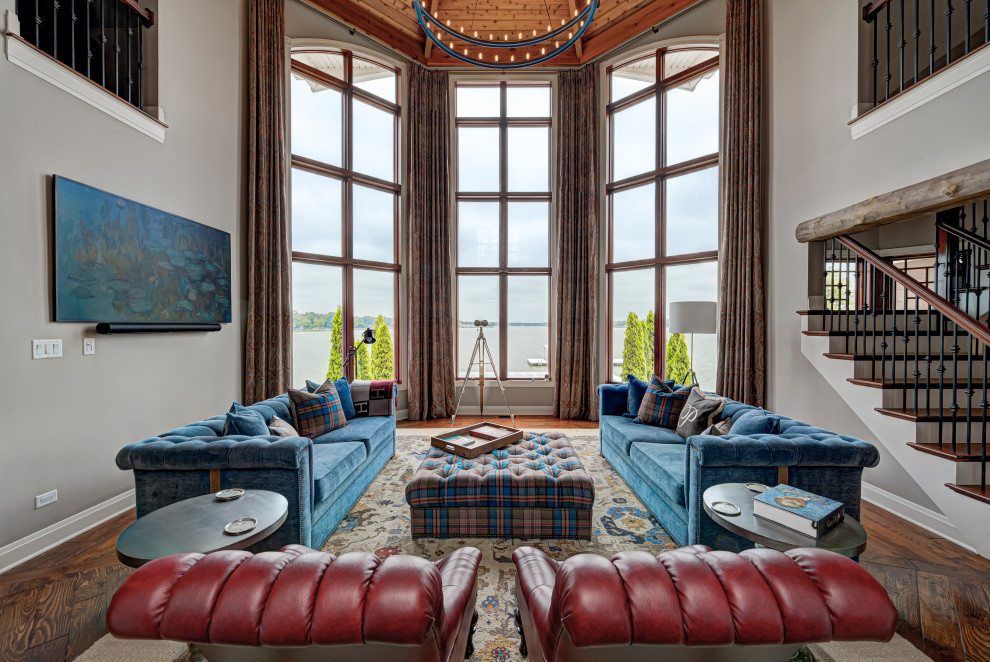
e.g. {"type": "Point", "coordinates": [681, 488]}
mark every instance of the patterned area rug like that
{"type": "Point", "coordinates": [379, 523]}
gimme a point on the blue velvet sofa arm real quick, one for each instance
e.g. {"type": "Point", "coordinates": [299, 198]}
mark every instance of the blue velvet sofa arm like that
{"type": "Point", "coordinates": [181, 453]}
{"type": "Point", "coordinates": [612, 399]}
{"type": "Point", "coordinates": [793, 448]}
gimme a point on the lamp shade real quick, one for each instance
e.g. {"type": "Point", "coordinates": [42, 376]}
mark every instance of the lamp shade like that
{"type": "Point", "coordinates": [692, 317]}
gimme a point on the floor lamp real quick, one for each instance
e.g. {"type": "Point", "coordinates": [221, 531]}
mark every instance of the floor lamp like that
{"type": "Point", "coordinates": [692, 317]}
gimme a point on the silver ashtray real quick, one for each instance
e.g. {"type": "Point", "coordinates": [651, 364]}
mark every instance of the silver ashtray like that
{"type": "Point", "coordinates": [240, 526]}
{"type": "Point", "coordinates": [726, 508]}
{"type": "Point", "coordinates": [759, 488]}
{"type": "Point", "coordinates": [229, 494]}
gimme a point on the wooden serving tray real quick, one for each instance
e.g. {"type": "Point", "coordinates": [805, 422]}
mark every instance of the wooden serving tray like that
{"type": "Point", "coordinates": [454, 440]}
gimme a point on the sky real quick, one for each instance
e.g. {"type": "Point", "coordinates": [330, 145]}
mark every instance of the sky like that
{"type": "Point", "coordinates": [692, 203]}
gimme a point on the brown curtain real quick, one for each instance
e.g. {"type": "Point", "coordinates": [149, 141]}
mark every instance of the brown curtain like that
{"type": "Point", "coordinates": [742, 324]}
{"type": "Point", "coordinates": [575, 361]}
{"type": "Point", "coordinates": [431, 341]}
{"type": "Point", "coordinates": [268, 345]}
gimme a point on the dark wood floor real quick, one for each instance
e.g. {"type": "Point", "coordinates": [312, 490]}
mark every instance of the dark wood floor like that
{"type": "Point", "coordinates": [52, 608]}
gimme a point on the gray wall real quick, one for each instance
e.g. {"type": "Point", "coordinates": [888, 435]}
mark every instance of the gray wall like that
{"type": "Point", "coordinates": [65, 419]}
{"type": "Point", "coordinates": [815, 167]}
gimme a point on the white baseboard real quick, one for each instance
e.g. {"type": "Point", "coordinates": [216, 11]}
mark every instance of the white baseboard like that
{"type": "Point", "coordinates": [546, 410]}
{"type": "Point", "coordinates": [401, 414]}
{"type": "Point", "coordinates": [912, 512]}
{"type": "Point", "coordinates": [31, 546]}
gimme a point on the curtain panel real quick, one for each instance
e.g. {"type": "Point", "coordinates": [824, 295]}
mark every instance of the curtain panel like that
{"type": "Point", "coordinates": [742, 323]}
{"type": "Point", "coordinates": [575, 359]}
{"type": "Point", "coordinates": [268, 343]}
{"type": "Point", "coordinates": [431, 316]}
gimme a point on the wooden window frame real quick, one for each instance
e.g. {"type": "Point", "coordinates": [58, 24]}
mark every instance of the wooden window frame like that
{"type": "Point", "coordinates": [658, 177]}
{"type": "Point", "coordinates": [503, 197]}
{"type": "Point", "coordinates": [348, 178]}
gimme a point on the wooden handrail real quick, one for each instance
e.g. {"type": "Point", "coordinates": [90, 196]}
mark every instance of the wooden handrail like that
{"type": "Point", "coordinates": [953, 312]}
{"type": "Point", "coordinates": [147, 17]}
{"type": "Point", "coordinates": [963, 234]}
{"type": "Point", "coordinates": [871, 9]}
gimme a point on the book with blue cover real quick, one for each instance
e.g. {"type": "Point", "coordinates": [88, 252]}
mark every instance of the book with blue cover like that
{"type": "Point", "coordinates": [804, 512]}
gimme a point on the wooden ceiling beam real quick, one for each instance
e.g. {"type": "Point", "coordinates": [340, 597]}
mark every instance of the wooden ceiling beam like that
{"type": "Point", "coordinates": [360, 19]}
{"type": "Point", "coordinates": [577, 44]}
{"type": "Point", "coordinates": [431, 6]}
{"type": "Point", "coordinates": [632, 25]}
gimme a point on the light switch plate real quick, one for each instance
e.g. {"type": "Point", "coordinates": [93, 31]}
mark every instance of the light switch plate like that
{"type": "Point", "coordinates": [47, 349]}
{"type": "Point", "coordinates": [89, 346]}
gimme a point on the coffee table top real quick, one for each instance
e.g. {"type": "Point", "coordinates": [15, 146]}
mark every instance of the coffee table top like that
{"type": "Point", "coordinates": [848, 538]}
{"type": "Point", "coordinates": [196, 525]}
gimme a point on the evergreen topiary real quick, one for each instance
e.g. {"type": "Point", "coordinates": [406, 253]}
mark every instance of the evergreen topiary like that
{"type": "Point", "coordinates": [633, 354]}
{"type": "Point", "coordinates": [648, 345]}
{"type": "Point", "coordinates": [382, 354]}
{"type": "Point", "coordinates": [362, 361]}
{"type": "Point", "coordinates": [336, 346]}
{"type": "Point", "coordinates": [678, 364]}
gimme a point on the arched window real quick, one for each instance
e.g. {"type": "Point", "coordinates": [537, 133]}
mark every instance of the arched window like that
{"type": "Point", "coordinates": [345, 122]}
{"type": "Point", "coordinates": [663, 207]}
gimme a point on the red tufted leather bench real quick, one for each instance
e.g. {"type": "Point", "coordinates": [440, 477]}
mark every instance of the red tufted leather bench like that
{"type": "Point", "coordinates": [693, 604]}
{"type": "Point", "coordinates": [298, 604]}
{"type": "Point", "coordinates": [534, 488]}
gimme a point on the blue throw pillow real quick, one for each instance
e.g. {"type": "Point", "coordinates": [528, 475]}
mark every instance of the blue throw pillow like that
{"type": "Point", "coordinates": [237, 408]}
{"type": "Point", "coordinates": [637, 389]}
{"type": "Point", "coordinates": [247, 422]}
{"type": "Point", "coordinates": [755, 421]}
{"type": "Point", "coordinates": [344, 391]}
{"type": "Point", "coordinates": [312, 386]}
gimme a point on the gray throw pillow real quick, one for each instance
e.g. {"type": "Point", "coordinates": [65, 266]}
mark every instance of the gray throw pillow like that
{"type": "Point", "coordinates": [719, 429]}
{"type": "Point", "coordinates": [699, 412]}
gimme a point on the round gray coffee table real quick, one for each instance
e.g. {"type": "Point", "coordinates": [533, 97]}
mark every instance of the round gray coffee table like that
{"type": "Point", "coordinates": [196, 525]}
{"type": "Point", "coordinates": [848, 538]}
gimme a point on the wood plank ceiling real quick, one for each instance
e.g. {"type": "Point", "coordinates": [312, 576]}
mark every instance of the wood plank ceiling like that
{"type": "Point", "coordinates": [393, 23]}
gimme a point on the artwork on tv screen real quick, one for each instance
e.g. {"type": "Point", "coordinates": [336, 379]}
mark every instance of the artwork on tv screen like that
{"type": "Point", "coordinates": [117, 260]}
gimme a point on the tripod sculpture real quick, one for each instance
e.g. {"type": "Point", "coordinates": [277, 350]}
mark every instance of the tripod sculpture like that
{"type": "Point", "coordinates": [481, 351]}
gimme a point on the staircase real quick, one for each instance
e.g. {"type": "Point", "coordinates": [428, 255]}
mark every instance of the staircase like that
{"type": "Point", "coordinates": [910, 358]}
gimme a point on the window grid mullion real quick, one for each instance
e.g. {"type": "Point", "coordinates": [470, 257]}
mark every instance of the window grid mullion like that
{"type": "Point", "coordinates": [503, 223]}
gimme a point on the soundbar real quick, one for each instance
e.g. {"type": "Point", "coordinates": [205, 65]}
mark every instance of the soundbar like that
{"type": "Point", "coordinates": [108, 328]}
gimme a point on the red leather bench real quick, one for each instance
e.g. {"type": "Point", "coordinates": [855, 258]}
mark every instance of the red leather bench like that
{"type": "Point", "coordinates": [298, 604]}
{"type": "Point", "coordinates": [693, 604]}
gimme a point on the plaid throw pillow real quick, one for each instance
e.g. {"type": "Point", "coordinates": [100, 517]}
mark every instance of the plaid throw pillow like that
{"type": "Point", "coordinates": [660, 407]}
{"type": "Point", "coordinates": [316, 413]}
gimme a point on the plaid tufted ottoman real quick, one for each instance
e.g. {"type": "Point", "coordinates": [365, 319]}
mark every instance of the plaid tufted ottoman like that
{"type": "Point", "coordinates": [534, 488]}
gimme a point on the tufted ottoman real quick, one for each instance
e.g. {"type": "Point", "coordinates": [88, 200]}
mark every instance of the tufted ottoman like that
{"type": "Point", "coordinates": [534, 488]}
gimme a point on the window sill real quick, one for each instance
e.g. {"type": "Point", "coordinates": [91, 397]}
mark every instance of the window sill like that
{"type": "Point", "coordinates": [42, 65]}
{"type": "Point", "coordinates": [959, 72]}
{"type": "Point", "coordinates": [490, 382]}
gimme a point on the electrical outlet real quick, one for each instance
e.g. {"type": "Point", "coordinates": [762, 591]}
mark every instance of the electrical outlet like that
{"type": "Point", "coordinates": [46, 349]}
{"type": "Point", "coordinates": [89, 346]}
{"type": "Point", "coordinates": [46, 499]}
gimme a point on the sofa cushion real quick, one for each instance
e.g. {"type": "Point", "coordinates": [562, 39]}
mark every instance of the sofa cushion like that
{"type": "Point", "coordinates": [662, 465]}
{"type": "Point", "coordinates": [373, 431]}
{"type": "Point", "coordinates": [314, 414]}
{"type": "Point", "coordinates": [755, 421]}
{"type": "Point", "coordinates": [333, 464]}
{"type": "Point", "coordinates": [622, 432]}
{"type": "Point", "coordinates": [244, 421]}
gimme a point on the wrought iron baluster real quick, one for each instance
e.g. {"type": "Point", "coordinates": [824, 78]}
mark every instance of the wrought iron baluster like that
{"type": "Point", "coordinates": [116, 47]}
{"type": "Point", "coordinates": [917, 343]}
{"type": "Point", "coordinates": [917, 38]}
{"type": "Point", "coordinates": [949, 11]}
{"type": "Point", "coordinates": [900, 46]}
{"type": "Point", "coordinates": [103, 42]}
{"type": "Point", "coordinates": [932, 48]}
{"type": "Point", "coordinates": [886, 53]}
{"type": "Point", "coordinates": [968, 28]}
{"type": "Point", "coordinates": [941, 373]}
{"type": "Point", "coordinates": [72, 33]}
{"type": "Point", "coordinates": [904, 347]}
{"type": "Point", "coordinates": [928, 365]}
{"type": "Point", "coordinates": [883, 325]}
{"type": "Point", "coordinates": [954, 349]}
{"type": "Point", "coordinates": [971, 342]}
{"type": "Point", "coordinates": [130, 33]}
{"type": "Point", "coordinates": [55, 7]}
{"type": "Point", "coordinates": [983, 416]}
{"type": "Point", "coordinates": [873, 325]}
{"type": "Point", "coordinates": [875, 63]}
{"type": "Point", "coordinates": [826, 288]}
{"type": "Point", "coordinates": [140, 68]}
{"type": "Point", "coordinates": [89, 41]}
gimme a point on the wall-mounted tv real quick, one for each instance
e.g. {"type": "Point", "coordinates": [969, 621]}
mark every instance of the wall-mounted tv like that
{"type": "Point", "coordinates": [117, 260]}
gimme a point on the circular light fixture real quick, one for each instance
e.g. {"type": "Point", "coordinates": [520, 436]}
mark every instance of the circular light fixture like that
{"type": "Point", "coordinates": [572, 31]}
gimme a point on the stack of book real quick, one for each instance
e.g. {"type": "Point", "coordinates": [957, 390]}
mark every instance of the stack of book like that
{"type": "Point", "coordinates": [804, 512]}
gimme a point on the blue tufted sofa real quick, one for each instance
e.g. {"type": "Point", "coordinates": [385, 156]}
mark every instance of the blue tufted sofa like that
{"type": "Point", "coordinates": [322, 478]}
{"type": "Point", "coordinates": [669, 474]}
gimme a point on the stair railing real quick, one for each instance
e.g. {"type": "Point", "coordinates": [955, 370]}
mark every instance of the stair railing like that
{"type": "Point", "coordinates": [926, 330]}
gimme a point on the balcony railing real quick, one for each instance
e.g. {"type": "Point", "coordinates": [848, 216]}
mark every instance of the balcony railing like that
{"type": "Point", "coordinates": [913, 39]}
{"type": "Point", "coordinates": [100, 39]}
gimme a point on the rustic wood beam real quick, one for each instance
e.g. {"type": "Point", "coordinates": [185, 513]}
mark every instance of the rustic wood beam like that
{"type": "Point", "coordinates": [927, 197]}
{"type": "Point", "coordinates": [632, 25]}
{"type": "Point", "coordinates": [431, 6]}
{"type": "Point", "coordinates": [577, 44]}
{"type": "Point", "coordinates": [354, 15]}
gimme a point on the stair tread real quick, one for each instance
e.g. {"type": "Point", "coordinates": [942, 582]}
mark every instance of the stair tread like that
{"type": "Point", "coordinates": [876, 383]}
{"type": "Point", "coordinates": [973, 491]}
{"type": "Point", "coordinates": [933, 415]}
{"type": "Point", "coordinates": [843, 356]}
{"type": "Point", "coordinates": [975, 453]}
